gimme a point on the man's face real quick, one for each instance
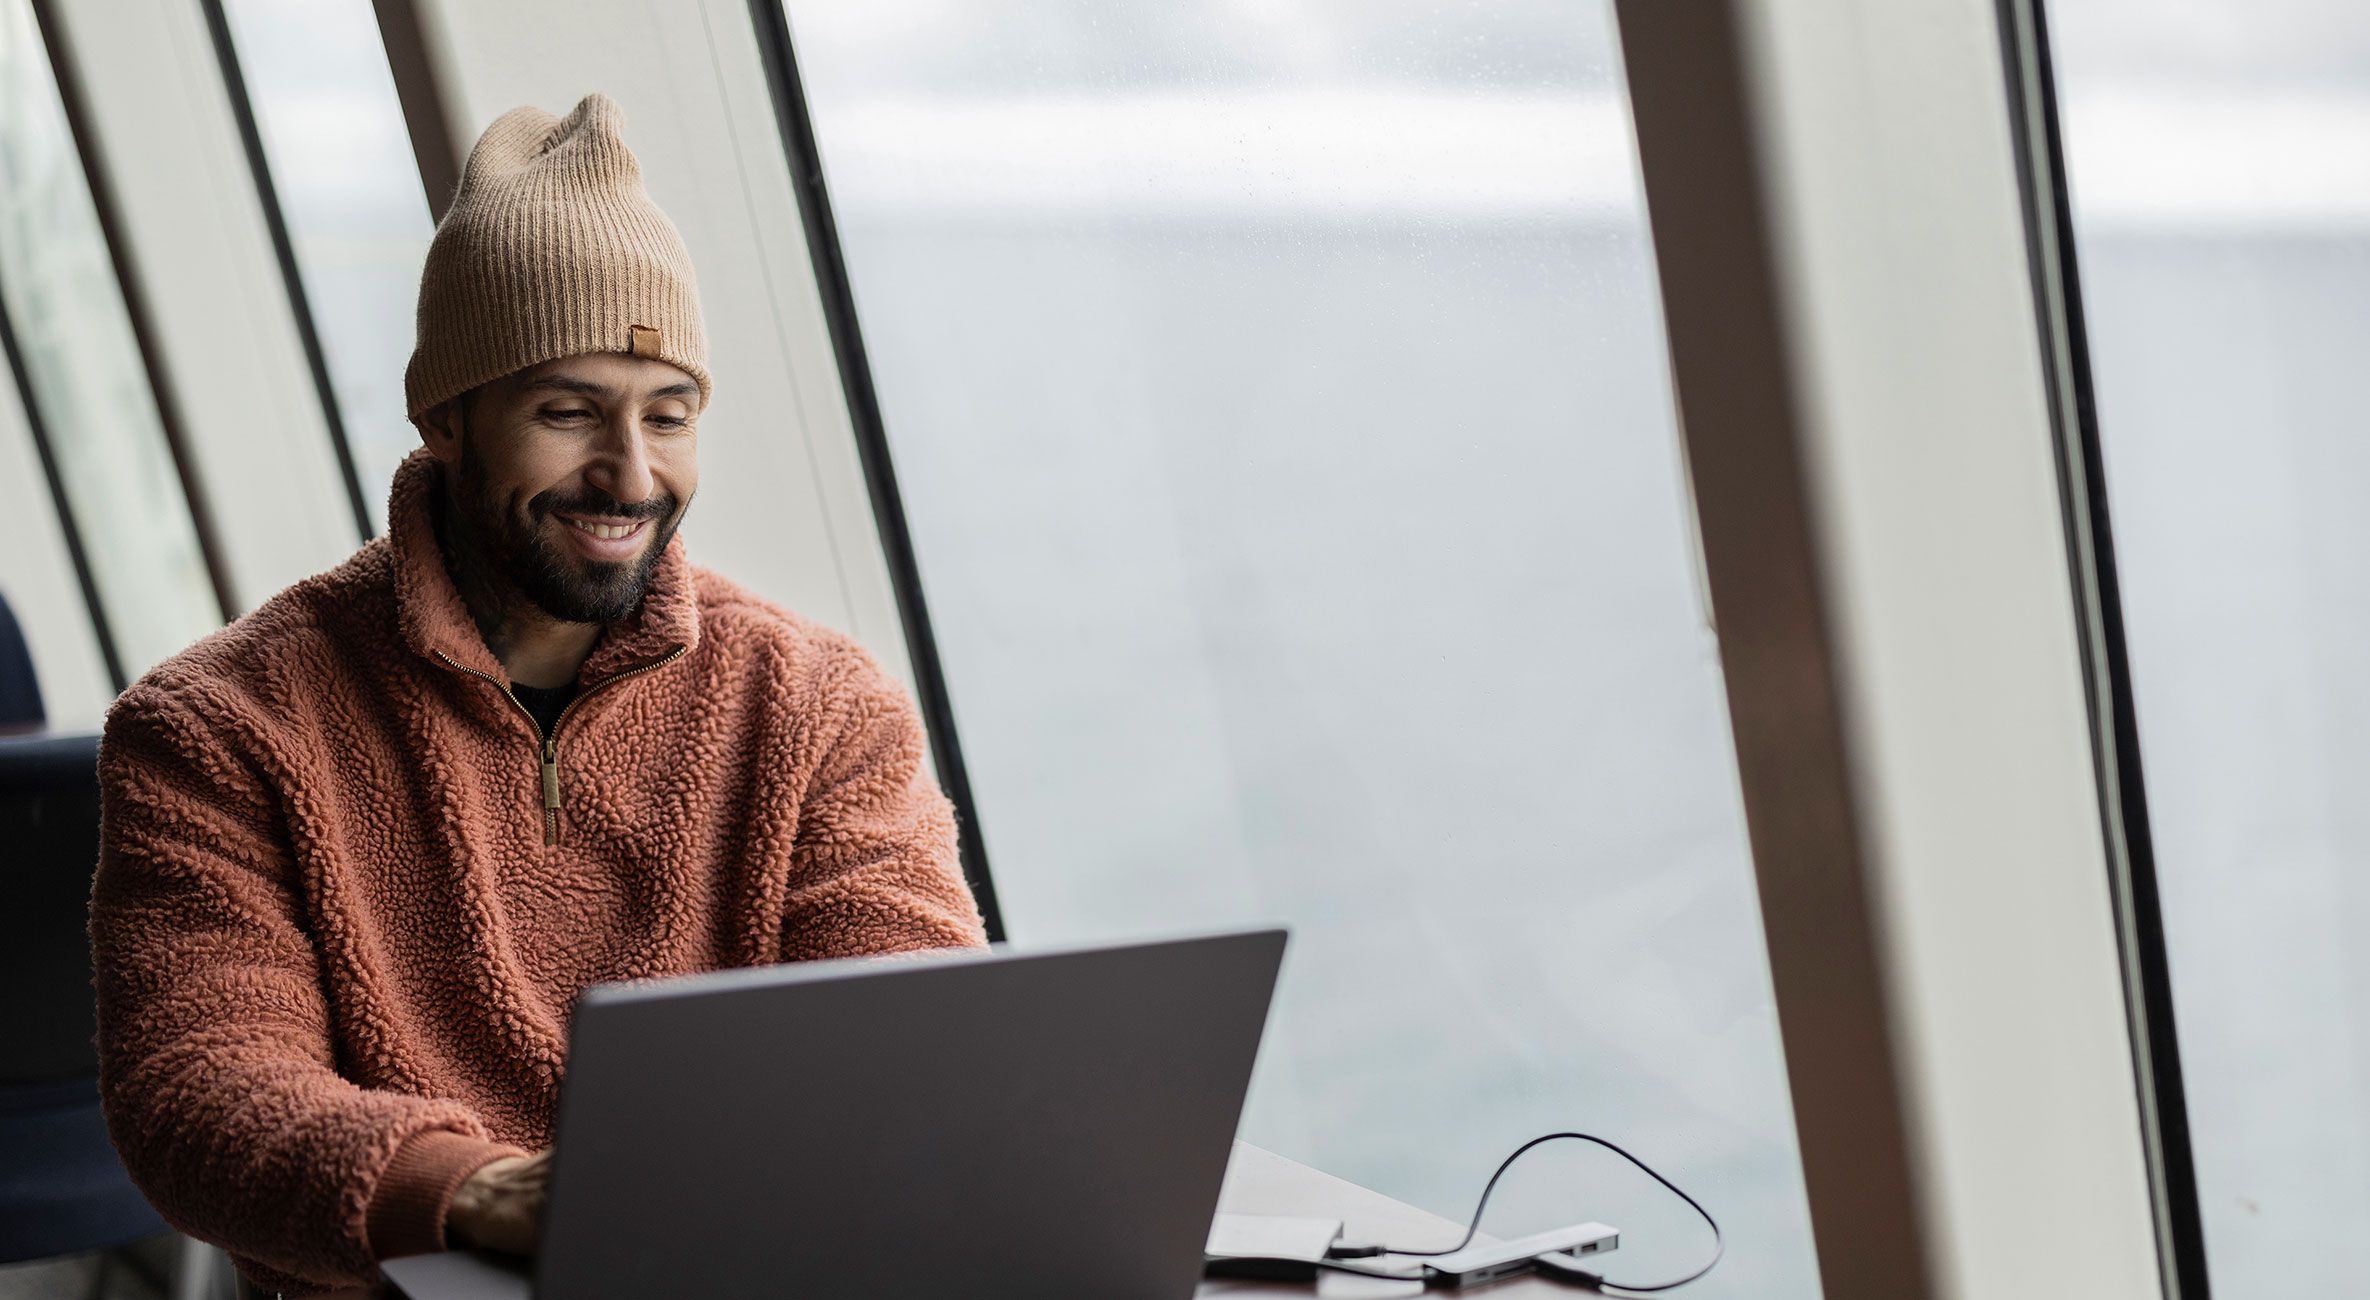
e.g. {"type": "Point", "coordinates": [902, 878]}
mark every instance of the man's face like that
{"type": "Point", "coordinates": [568, 477]}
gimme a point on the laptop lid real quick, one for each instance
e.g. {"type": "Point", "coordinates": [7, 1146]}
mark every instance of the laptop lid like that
{"type": "Point", "coordinates": [1045, 1124]}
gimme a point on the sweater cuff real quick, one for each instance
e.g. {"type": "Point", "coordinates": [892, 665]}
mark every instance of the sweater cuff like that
{"type": "Point", "coordinates": [406, 1215]}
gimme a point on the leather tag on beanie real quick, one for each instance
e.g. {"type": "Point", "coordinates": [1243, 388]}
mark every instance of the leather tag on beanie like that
{"type": "Point", "coordinates": [643, 341]}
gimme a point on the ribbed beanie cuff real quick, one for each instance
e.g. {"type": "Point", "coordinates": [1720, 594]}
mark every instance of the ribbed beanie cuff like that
{"type": "Point", "coordinates": [551, 249]}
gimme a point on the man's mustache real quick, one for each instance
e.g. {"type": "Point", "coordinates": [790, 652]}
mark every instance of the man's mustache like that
{"type": "Point", "coordinates": [600, 504]}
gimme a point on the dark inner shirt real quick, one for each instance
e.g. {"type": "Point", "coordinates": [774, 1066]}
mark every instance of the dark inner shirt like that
{"type": "Point", "coordinates": [545, 702]}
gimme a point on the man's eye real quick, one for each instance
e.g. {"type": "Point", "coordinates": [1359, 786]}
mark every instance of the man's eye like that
{"type": "Point", "coordinates": [566, 413]}
{"type": "Point", "coordinates": [670, 421]}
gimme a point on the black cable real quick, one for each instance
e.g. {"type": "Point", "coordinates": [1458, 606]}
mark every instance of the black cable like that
{"type": "Point", "coordinates": [1473, 1229]}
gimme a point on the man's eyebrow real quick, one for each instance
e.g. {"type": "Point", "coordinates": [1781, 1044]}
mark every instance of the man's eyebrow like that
{"type": "Point", "coordinates": [566, 384]}
{"type": "Point", "coordinates": [586, 387]}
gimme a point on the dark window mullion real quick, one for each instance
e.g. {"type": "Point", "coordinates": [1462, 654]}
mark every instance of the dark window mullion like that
{"type": "Point", "coordinates": [2049, 222]}
{"type": "Point", "coordinates": [135, 303]}
{"type": "Point", "coordinates": [888, 507]}
{"type": "Point", "coordinates": [300, 307]}
{"type": "Point", "coordinates": [83, 577]}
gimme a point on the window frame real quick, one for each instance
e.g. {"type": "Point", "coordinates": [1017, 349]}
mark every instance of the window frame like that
{"type": "Point", "coordinates": [154, 124]}
{"type": "Point", "coordinates": [300, 306]}
{"type": "Point", "coordinates": [2122, 788]}
{"type": "Point", "coordinates": [805, 160]}
{"type": "Point", "coordinates": [1866, 405]}
{"type": "Point", "coordinates": [73, 647]}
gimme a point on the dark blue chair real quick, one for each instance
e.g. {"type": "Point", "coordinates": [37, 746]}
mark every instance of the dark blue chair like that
{"type": "Point", "coordinates": [62, 1189]}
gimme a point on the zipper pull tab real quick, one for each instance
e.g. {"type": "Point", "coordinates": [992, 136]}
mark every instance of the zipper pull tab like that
{"type": "Point", "coordinates": [551, 774]}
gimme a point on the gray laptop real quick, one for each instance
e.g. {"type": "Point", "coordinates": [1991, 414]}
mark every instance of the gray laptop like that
{"type": "Point", "coordinates": [1047, 1124]}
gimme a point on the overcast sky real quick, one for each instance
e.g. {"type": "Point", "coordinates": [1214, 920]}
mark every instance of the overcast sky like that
{"type": "Point", "coordinates": [958, 48]}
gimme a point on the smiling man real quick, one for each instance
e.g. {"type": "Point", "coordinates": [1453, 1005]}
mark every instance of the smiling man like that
{"type": "Point", "coordinates": [362, 849]}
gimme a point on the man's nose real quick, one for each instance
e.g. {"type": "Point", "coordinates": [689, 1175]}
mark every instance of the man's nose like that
{"type": "Point", "coordinates": [623, 467]}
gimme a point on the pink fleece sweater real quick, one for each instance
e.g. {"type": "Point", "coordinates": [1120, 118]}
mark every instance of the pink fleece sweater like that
{"type": "Point", "coordinates": [346, 896]}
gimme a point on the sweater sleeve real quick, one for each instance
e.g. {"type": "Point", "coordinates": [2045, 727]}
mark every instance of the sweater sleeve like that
{"type": "Point", "coordinates": [216, 1060]}
{"type": "Point", "coordinates": [874, 868]}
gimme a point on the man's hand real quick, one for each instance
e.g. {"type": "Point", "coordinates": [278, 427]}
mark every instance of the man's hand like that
{"type": "Point", "coordinates": [501, 1206]}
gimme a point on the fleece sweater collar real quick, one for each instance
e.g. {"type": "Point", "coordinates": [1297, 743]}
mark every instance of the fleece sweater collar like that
{"type": "Point", "coordinates": [435, 620]}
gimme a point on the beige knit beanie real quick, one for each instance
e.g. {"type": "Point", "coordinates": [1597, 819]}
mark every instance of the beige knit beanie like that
{"type": "Point", "coordinates": [551, 249]}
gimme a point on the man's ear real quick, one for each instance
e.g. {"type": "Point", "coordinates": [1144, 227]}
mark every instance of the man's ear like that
{"type": "Point", "coordinates": [440, 430]}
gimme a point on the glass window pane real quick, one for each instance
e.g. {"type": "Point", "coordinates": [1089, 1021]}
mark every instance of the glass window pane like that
{"type": "Point", "coordinates": [341, 165]}
{"type": "Point", "coordinates": [83, 363]}
{"type": "Point", "coordinates": [2219, 159]}
{"type": "Point", "coordinates": [1279, 400]}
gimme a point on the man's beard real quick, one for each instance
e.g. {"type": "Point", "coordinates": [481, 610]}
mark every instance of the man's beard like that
{"type": "Point", "coordinates": [570, 588]}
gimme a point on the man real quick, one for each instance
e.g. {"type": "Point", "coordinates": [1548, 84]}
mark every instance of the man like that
{"type": "Point", "coordinates": [363, 848]}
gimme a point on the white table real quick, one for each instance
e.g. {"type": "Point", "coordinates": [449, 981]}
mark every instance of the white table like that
{"type": "Point", "coordinates": [1262, 1182]}
{"type": "Point", "coordinates": [1257, 1182]}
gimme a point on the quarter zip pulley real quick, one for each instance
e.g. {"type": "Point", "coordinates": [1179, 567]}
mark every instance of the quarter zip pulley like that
{"type": "Point", "coordinates": [551, 775]}
{"type": "Point", "coordinates": [549, 769]}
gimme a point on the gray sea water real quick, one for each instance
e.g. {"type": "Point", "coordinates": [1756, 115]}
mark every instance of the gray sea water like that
{"type": "Point", "coordinates": [1342, 576]}
{"type": "Point", "coordinates": [2231, 388]}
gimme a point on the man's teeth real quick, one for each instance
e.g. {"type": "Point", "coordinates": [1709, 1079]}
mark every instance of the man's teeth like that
{"type": "Point", "coordinates": [609, 532]}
